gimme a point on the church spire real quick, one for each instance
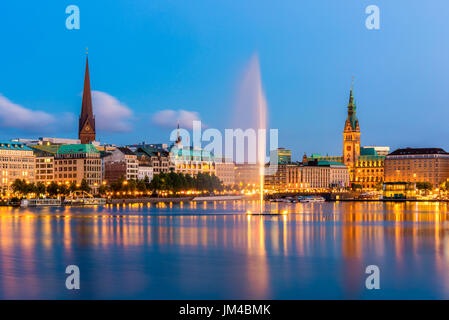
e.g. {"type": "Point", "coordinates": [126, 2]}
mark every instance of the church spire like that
{"type": "Point", "coordinates": [86, 131]}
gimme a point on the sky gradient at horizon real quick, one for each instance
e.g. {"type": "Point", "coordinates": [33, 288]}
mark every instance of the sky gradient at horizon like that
{"type": "Point", "coordinates": [149, 57]}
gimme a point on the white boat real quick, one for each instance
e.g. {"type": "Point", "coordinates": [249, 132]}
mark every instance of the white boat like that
{"type": "Point", "coordinates": [85, 201]}
{"type": "Point", "coordinates": [311, 199]}
{"type": "Point", "coordinates": [40, 202]}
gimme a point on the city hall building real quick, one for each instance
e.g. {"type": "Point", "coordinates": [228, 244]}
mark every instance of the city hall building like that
{"type": "Point", "coordinates": [365, 164]}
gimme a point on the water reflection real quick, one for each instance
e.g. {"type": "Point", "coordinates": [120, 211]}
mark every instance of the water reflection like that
{"type": "Point", "coordinates": [214, 250]}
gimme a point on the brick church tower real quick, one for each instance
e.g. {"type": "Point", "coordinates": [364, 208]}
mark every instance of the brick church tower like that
{"type": "Point", "coordinates": [86, 130]}
{"type": "Point", "coordinates": [351, 138]}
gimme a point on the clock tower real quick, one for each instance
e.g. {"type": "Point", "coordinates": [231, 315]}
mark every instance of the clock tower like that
{"type": "Point", "coordinates": [86, 130]}
{"type": "Point", "coordinates": [351, 138]}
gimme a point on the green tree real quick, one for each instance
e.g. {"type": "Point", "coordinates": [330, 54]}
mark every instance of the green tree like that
{"type": "Point", "coordinates": [52, 189]}
{"type": "Point", "coordinates": [142, 185]}
{"type": "Point", "coordinates": [103, 189]}
{"type": "Point", "coordinates": [356, 186]}
{"type": "Point", "coordinates": [73, 187]}
{"type": "Point", "coordinates": [40, 188]}
{"type": "Point", "coordinates": [425, 186]}
{"type": "Point", "coordinates": [19, 186]}
{"type": "Point", "coordinates": [85, 186]}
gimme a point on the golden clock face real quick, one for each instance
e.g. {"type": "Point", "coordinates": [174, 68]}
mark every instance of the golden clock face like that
{"type": "Point", "coordinates": [87, 128]}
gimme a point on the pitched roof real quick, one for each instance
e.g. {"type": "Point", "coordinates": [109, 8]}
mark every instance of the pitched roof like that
{"type": "Point", "coordinates": [126, 151]}
{"type": "Point", "coordinates": [77, 148]}
{"type": "Point", "coordinates": [150, 151]}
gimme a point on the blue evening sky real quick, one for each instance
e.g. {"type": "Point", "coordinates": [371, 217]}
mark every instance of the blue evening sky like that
{"type": "Point", "coordinates": [150, 56]}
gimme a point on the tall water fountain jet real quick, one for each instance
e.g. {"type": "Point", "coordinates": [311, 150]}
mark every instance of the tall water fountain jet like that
{"type": "Point", "coordinates": [251, 112]}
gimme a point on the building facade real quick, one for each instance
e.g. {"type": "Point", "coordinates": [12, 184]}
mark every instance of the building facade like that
{"type": "Point", "coordinates": [75, 162]}
{"type": "Point", "coordinates": [144, 172]}
{"type": "Point", "coordinates": [324, 174]}
{"type": "Point", "coordinates": [157, 158]}
{"type": "Point", "coordinates": [120, 163]}
{"type": "Point", "coordinates": [417, 165]}
{"type": "Point", "coordinates": [45, 162]}
{"type": "Point", "coordinates": [225, 171]}
{"type": "Point", "coordinates": [281, 156]}
{"type": "Point", "coordinates": [247, 175]}
{"type": "Point", "coordinates": [308, 175]}
{"type": "Point", "coordinates": [17, 161]}
{"type": "Point", "coordinates": [188, 160]}
{"type": "Point", "coordinates": [287, 178]}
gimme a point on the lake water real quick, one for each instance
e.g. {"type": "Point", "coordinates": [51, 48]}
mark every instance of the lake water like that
{"type": "Point", "coordinates": [217, 251]}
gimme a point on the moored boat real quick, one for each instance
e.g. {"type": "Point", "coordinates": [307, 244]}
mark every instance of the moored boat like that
{"type": "Point", "coordinates": [307, 199]}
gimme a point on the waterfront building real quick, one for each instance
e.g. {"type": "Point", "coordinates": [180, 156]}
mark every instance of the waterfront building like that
{"type": "Point", "coordinates": [369, 169]}
{"type": "Point", "coordinates": [281, 156]}
{"type": "Point", "coordinates": [225, 171]}
{"type": "Point", "coordinates": [324, 174]}
{"type": "Point", "coordinates": [188, 160]}
{"type": "Point", "coordinates": [144, 171]}
{"type": "Point", "coordinates": [417, 165]}
{"type": "Point", "coordinates": [45, 156]}
{"type": "Point", "coordinates": [120, 163]}
{"type": "Point", "coordinates": [247, 174]}
{"type": "Point", "coordinates": [399, 190]}
{"type": "Point", "coordinates": [276, 181]}
{"type": "Point", "coordinates": [157, 158]}
{"type": "Point", "coordinates": [306, 175]}
{"type": "Point", "coordinates": [75, 162]}
{"type": "Point", "coordinates": [86, 129]}
{"type": "Point", "coordinates": [287, 178]}
{"type": "Point", "coordinates": [17, 161]}
{"type": "Point", "coordinates": [368, 172]}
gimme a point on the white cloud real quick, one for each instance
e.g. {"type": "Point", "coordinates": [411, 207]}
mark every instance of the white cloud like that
{"type": "Point", "coordinates": [13, 115]}
{"type": "Point", "coordinates": [169, 118]}
{"type": "Point", "coordinates": [110, 114]}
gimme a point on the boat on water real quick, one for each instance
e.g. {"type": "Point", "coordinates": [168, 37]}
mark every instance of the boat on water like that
{"type": "Point", "coordinates": [267, 213]}
{"type": "Point", "coordinates": [85, 201]}
{"type": "Point", "coordinates": [307, 199]}
{"type": "Point", "coordinates": [59, 202]}
{"type": "Point", "coordinates": [40, 202]}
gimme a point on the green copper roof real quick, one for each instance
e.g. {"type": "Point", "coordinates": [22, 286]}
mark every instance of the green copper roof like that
{"type": "Point", "coordinates": [53, 149]}
{"type": "Point", "coordinates": [369, 157]}
{"type": "Point", "coordinates": [330, 163]}
{"type": "Point", "coordinates": [13, 145]}
{"type": "Point", "coordinates": [368, 151]}
{"type": "Point", "coordinates": [188, 153]}
{"type": "Point", "coordinates": [330, 159]}
{"type": "Point", "coordinates": [77, 148]}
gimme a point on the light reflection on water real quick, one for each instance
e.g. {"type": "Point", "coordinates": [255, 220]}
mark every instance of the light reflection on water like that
{"type": "Point", "coordinates": [215, 251]}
